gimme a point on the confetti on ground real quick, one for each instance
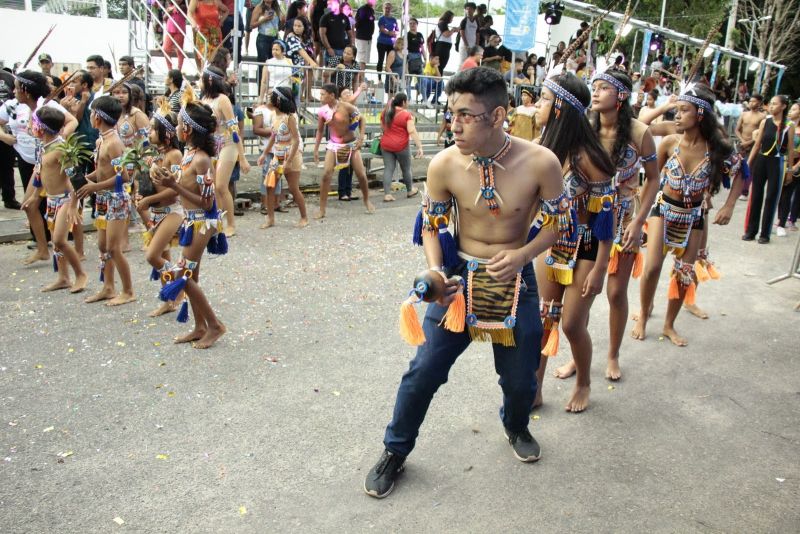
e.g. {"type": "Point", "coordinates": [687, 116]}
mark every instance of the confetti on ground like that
{"type": "Point", "coordinates": [535, 417]}
{"type": "Point", "coordinates": [242, 510]}
{"type": "Point", "coordinates": [118, 520]}
{"type": "Point", "coordinates": [120, 343]}
{"type": "Point", "coordinates": [610, 388]}
{"type": "Point", "coordinates": [170, 393]}
{"type": "Point", "coordinates": [336, 393]}
{"type": "Point", "coordinates": [48, 429]}
{"type": "Point", "coordinates": [781, 479]}
{"type": "Point", "coordinates": [38, 366]}
{"type": "Point", "coordinates": [70, 350]}
{"type": "Point", "coordinates": [162, 364]}
{"type": "Point", "coordinates": [162, 456]}
{"type": "Point", "coordinates": [156, 343]}
{"type": "Point", "coordinates": [66, 454]}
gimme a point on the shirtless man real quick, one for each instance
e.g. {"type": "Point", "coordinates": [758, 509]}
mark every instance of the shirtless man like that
{"type": "Point", "coordinates": [113, 203]}
{"type": "Point", "coordinates": [343, 149]}
{"type": "Point", "coordinates": [746, 127]}
{"type": "Point", "coordinates": [496, 181]}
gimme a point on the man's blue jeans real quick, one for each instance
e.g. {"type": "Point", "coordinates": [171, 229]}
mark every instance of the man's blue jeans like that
{"type": "Point", "coordinates": [429, 369]}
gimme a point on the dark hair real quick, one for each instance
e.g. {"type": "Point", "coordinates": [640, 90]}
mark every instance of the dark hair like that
{"type": "Point", "coordinates": [126, 87]}
{"type": "Point", "coordinates": [541, 61]}
{"type": "Point", "coordinates": [136, 97]}
{"type": "Point", "coordinates": [331, 88]}
{"type": "Point", "coordinates": [306, 28]}
{"type": "Point", "coordinates": [51, 117]}
{"type": "Point", "coordinates": [204, 116]}
{"type": "Point", "coordinates": [109, 106]}
{"type": "Point", "coordinates": [107, 65]}
{"type": "Point", "coordinates": [85, 78]}
{"type": "Point", "coordinates": [128, 60]}
{"type": "Point", "coordinates": [213, 86]}
{"type": "Point", "coordinates": [474, 50]}
{"type": "Point", "coordinates": [39, 86]}
{"type": "Point", "coordinates": [282, 99]}
{"type": "Point", "coordinates": [389, 111]}
{"type": "Point", "coordinates": [758, 97]}
{"type": "Point", "coordinates": [654, 93]}
{"type": "Point", "coordinates": [294, 8]}
{"type": "Point", "coordinates": [220, 59]}
{"type": "Point", "coordinates": [570, 133]}
{"type": "Point", "coordinates": [97, 60]}
{"type": "Point", "coordinates": [64, 69]}
{"type": "Point", "coordinates": [485, 84]}
{"type": "Point", "coordinates": [624, 119]}
{"type": "Point", "coordinates": [445, 19]}
{"type": "Point", "coordinates": [719, 147]}
{"type": "Point", "coordinates": [164, 137]}
{"type": "Point", "coordinates": [177, 77]}
{"type": "Point", "coordinates": [276, 7]}
{"type": "Point", "coordinates": [784, 116]}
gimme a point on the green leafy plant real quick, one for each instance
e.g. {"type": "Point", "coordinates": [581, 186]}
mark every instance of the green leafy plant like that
{"type": "Point", "coordinates": [136, 157]}
{"type": "Point", "coordinates": [73, 153]}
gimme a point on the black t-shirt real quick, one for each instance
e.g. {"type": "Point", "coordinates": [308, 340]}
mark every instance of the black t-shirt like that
{"type": "Point", "coordinates": [319, 9]}
{"type": "Point", "coordinates": [6, 86]}
{"type": "Point", "coordinates": [336, 27]}
{"type": "Point", "coordinates": [415, 41]}
{"type": "Point", "coordinates": [365, 23]}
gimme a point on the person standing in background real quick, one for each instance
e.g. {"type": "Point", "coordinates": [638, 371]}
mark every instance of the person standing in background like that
{"type": "Point", "coordinates": [387, 34]}
{"type": "Point", "coordinates": [365, 28]}
{"type": "Point", "coordinates": [468, 31]}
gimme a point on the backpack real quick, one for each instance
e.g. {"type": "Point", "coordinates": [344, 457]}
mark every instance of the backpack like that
{"type": "Point", "coordinates": [430, 41]}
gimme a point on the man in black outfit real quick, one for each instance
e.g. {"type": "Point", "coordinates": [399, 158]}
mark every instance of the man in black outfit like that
{"type": "Point", "coordinates": [7, 153]}
{"type": "Point", "coordinates": [365, 29]}
{"type": "Point", "coordinates": [335, 33]}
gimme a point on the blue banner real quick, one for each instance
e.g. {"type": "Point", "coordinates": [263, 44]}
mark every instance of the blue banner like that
{"type": "Point", "coordinates": [778, 81]}
{"type": "Point", "coordinates": [520, 30]}
{"type": "Point", "coordinates": [645, 50]}
{"type": "Point", "coordinates": [715, 63]}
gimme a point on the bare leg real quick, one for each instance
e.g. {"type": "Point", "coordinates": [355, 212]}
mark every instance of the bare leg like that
{"type": "Point", "coordinates": [71, 258]}
{"type": "Point", "coordinates": [694, 309]}
{"type": "Point", "coordinates": [77, 234]}
{"type": "Point", "coordinates": [158, 253]}
{"type": "Point", "coordinates": [115, 236]}
{"type": "Point", "coordinates": [617, 293]}
{"type": "Point", "coordinates": [270, 217]}
{"type": "Point", "coordinates": [293, 177]}
{"type": "Point", "coordinates": [108, 290]}
{"type": "Point", "coordinates": [674, 306]}
{"type": "Point", "coordinates": [363, 183]}
{"type": "Point", "coordinates": [652, 271]}
{"type": "Point", "coordinates": [37, 228]}
{"type": "Point", "coordinates": [548, 291]}
{"type": "Point", "coordinates": [224, 197]}
{"type": "Point", "coordinates": [325, 186]}
{"type": "Point", "coordinates": [574, 323]}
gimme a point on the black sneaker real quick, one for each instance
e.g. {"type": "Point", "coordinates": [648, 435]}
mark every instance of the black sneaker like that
{"type": "Point", "coordinates": [748, 237]}
{"type": "Point", "coordinates": [525, 447]}
{"type": "Point", "coordinates": [380, 480]}
{"type": "Point", "coordinates": [763, 240]}
{"type": "Point", "coordinates": [12, 205]}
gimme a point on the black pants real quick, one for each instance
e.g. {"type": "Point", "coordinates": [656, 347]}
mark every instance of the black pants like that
{"type": "Point", "coordinates": [789, 205]}
{"type": "Point", "coordinates": [7, 156]}
{"type": "Point", "coordinates": [25, 173]}
{"type": "Point", "coordinates": [442, 50]}
{"type": "Point", "coordinates": [383, 52]}
{"type": "Point", "coordinates": [767, 174]}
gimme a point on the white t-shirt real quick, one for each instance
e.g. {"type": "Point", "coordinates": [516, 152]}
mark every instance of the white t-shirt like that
{"type": "Point", "coordinates": [280, 72]}
{"type": "Point", "coordinates": [470, 31]}
{"type": "Point", "coordinates": [267, 114]}
{"type": "Point", "coordinates": [442, 37]}
{"type": "Point", "coordinates": [17, 116]}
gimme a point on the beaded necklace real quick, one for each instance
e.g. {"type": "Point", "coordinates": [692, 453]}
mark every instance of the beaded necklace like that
{"type": "Point", "coordinates": [486, 177]}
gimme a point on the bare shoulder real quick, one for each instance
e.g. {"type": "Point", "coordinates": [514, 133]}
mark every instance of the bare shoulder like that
{"type": "Point", "coordinates": [536, 158]}
{"type": "Point", "coordinates": [669, 142]}
{"type": "Point", "coordinates": [638, 131]}
{"type": "Point", "coordinates": [441, 166]}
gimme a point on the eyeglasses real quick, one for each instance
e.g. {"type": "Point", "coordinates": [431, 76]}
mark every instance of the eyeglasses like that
{"type": "Point", "coordinates": [465, 117]}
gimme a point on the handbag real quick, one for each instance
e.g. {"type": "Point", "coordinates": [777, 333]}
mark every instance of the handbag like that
{"type": "Point", "coordinates": [375, 146]}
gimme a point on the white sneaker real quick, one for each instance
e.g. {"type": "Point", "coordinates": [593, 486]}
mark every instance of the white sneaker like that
{"type": "Point", "coordinates": [780, 231]}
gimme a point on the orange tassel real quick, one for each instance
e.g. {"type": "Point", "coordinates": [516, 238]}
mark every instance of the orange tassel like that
{"type": "Point", "coordinates": [691, 295]}
{"type": "Point", "coordinates": [713, 272]}
{"type": "Point", "coordinates": [551, 347]}
{"type": "Point", "coordinates": [638, 265]}
{"type": "Point", "coordinates": [701, 272]}
{"type": "Point", "coordinates": [674, 291]}
{"type": "Point", "coordinates": [272, 179]}
{"type": "Point", "coordinates": [410, 329]}
{"type": "Point", "coordinates": [613, 263]}
{"type": "Point", "coordinates": [456, 315]}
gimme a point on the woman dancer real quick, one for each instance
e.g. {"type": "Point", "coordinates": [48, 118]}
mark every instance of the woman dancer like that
{"type": "Point", "coordinates": [572, 273]}
{"type": "Point", "coordinates": [195, 187]}
{"type": "Point", "coordinates": [287, 159]}
{"type": "Point", "coordinates": [231, 149]}
{"type": "Point", "coordinates": [630, 146]}
{"type": "Point", "coordinates": [161, 209]}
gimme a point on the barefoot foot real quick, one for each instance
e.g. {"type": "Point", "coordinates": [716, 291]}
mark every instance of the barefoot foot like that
{"type": "Point", "coordinates": [194, 335]}
{"type": "Point", "coordinates": [674, 337]}
{"type": "Point", "coordinates": [230, 231]}
{"type": "Point", "coordinates": [61, 283]}
{"type": "Point", "coordinates": [166, 307]}
{"type": "Point", "coordinates": [36, 256]}
{"type": "Point", "coordinates": [612, 369]}
{"type": "Point", "coordinates": [319, 215]}
{"type": "Point", "coordinates": [210, 337]}
{"type": "Point", "coordinates": [302, 223]}
{"type": "Point", "coordinates": [635, 316]}
{"type": "Point", "coordinates": [579, 400]}
{"type": "Point", "coordinates": [122, 298]}
{"type": "Point", "coordinates": [368, 207]}
{"type": "Point", "coordinates": [80, 283]}
{"type": "Point", "coordinates": [695, 310]}
{"type": "Point", "coordinates": [538, 400]}
{"type": "Point", "coordinates": [565, 371]}
{"type": "Point", "coordinates": [104, 294]}
{"type": "Point", "coordinates": [640, 329]}
{"type": "Point", "coordinates": [268, 224]}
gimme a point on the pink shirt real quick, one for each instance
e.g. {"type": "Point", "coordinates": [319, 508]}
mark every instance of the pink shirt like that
{"type": "Point", "coordinates": [326, 113]}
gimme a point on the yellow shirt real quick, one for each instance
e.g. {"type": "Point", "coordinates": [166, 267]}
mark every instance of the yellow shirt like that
{"type": "Point", "coordinates": [430, 70]}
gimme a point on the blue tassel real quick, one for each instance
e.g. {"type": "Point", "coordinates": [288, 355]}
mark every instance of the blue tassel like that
{"type": "Point", "coordinates": [218, 244]}
{"type": "Point", "coordinates": [603, 223]}
{"type": "Point", "coordinates": [573, 225]}
{"type": "Point", "coordinates": [183, 314]}
{"type": "Point", "coordinates": [171, 291]}
{"type": "Point", "coordinates": [154, 274]}
{"type": "Point", "coordinates": [186, 235]}
{"type": "Point", "coordinates": [449, 248]}
{"type": "Point", "coordinates": [235, 137]}
{"type": "Point", "coordinates": [416, 237]}
{"type": "Point", "coordinates": [102, 273]}
{"type": "Point", "coordinates": [534, 231]}
{"type": "Point", "coordinates": [745, 171]}
{"type": "Point", "coordinates": [55, 263]}
{"type": "Point", "coordinates": [726, 181]}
